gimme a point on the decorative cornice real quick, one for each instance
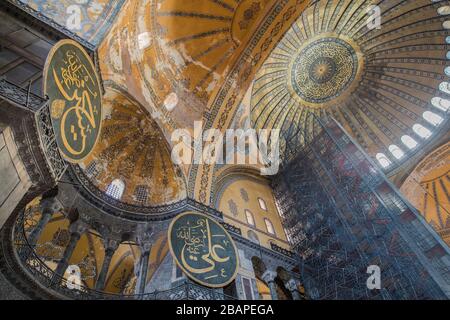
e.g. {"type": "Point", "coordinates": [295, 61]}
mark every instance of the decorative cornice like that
{"type": "Point", "coordinates": [117, 208]}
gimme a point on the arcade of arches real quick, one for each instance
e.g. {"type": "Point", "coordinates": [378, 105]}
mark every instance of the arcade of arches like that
{"type": "Point", "coordinates": [308, 68]}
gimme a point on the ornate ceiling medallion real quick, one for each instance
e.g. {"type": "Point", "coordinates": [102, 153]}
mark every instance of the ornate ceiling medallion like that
{"type": "Point", "coordinates": [323, 70]}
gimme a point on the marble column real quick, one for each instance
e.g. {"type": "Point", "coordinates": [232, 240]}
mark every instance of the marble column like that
{"type": "Point", "coordinates": [111, 247]}
{"type": "Point", "coordinates": [75, 234]}
{"type": "Point", "coordinates": [47, 207]}
{"type": "Point", "coordinates": [269, 277]}
{"type": "Point", "coordinates": [143, 269]}
{"type": "Point", "coordinates": [292, 286]}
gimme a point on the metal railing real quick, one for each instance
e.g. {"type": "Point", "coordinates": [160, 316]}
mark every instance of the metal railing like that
{"type": "Point", "coordinates": [20, 97]}
{"type": "Point", "coordinates": [37, 106]}
{"type": "Point", "coordinates": [48, 141]}
{"type": "Point", "coordinates": [61, 288]}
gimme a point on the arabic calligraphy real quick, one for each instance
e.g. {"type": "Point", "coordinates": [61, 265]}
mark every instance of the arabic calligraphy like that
{"type": "Point", "coordinates": [203, 249]}
{"type": "Point", "coordinates": [72, 85]}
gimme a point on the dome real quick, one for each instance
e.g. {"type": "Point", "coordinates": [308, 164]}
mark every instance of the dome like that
{"type": "Point", "coordinates": [178, 53]}
{"type": "Point", "coordinates": [379, 83]}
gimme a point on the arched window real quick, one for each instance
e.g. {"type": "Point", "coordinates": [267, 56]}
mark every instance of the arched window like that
{"type": "Point", "coordinates": [445, 87]}
{"type": "Point", "coordinates": [421, 131]}
{"type": "Point", "coordinates": [262, 204]}
{"type": "Point", "coordinates": [432, 118]}
{"type": "Point", "coordinates": [115, 189]}
{"type": "Point", "coordinates": [440, 103]}
{"type": "Point", "coordinates": [250, 218]}
{"type": "Point", "coordinates": [447, 71]}
{"type": "Point", "coordinates": [252, 236]}
{"type": "Point", "coordinates": [383, 160]}
{"type": "Point", "coordinates": [396, 151]}
{"type": "Point", "coordinates": [269, 226]}
{"type": "Point", "coordinates": [409, 142]}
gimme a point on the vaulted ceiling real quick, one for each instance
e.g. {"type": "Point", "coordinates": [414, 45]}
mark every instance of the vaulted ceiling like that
{"type": "Point", "coordinates": [132, 149]}
{"type": "Point", "coordinates": [181, 61]}
{"type": "Point", "coordinates": [428, 189]}
{"type": "Point", "coordinates": [173, 55]}
{"type": "Point", "coordinates": [377, 82]}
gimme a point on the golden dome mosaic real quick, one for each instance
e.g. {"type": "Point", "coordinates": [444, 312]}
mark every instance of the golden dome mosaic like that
{"type": "Point", "coordinates": [384, 85]}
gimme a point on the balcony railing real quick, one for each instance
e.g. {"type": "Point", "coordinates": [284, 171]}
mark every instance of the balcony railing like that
{"type": "Point", "coordinates": [37, 106]}
{"type": "Point", "coordinates": [61, 288]}
{"type": "Point", "coordinates": [20, 97]}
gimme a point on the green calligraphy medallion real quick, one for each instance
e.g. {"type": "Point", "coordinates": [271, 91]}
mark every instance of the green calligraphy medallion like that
{"type": "Point", "coordinates": [203, 249]}
{"type": "Point", "coordinates": [73, 88]}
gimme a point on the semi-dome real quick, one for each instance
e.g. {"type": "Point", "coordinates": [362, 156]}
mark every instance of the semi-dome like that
{"type": "Point", "coordinates": [131, 162]}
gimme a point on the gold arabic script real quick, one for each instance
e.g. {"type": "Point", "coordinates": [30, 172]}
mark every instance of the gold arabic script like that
{"type": "Point", "coordinates": [78, 87]}
{"type": "Point", "coordinates": [200, 252]}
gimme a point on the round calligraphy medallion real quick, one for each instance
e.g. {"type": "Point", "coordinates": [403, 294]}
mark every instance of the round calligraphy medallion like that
{"type": "Point", "coordinates": [203, 249]}
{"type": "Point", "coordinates": [75, 98]}
{"type": "Point", "coordinates": [323, 70]}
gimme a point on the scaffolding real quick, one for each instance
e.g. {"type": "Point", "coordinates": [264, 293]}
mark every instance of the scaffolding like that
{"type": "Point", "coordinates": [342, 215]}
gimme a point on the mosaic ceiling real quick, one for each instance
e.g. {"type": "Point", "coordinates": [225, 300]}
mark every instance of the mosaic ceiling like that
{"type": "Point", "coordinates": [172, 55]}
{"type": "Point", "coordinates": [435, 201]}
{"type": "Point", "coordinates": [193, 60]}
{"type": "Point", "coordinates": [164, 62]}
{"type": "Point", "coordinates": [376, 82]}
{"type": "Point", "coordinates": [132, 149]}
{"type": "Point", "coordinates": [90, 19]}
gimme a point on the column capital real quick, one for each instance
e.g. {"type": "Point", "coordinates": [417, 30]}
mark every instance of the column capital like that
{"type": "Point", "coordinates": [269, 276]}
{"type": "Point", "coordinates": [111, 244]}
{"type": "Point", "coordinates": [143, 238]}
{"type": "Point", "coordinates": [145, 248]}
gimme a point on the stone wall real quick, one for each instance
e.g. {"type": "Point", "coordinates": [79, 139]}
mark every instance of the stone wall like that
{"type": "Point", "coordinates": [15, 180]}
{"type": "Point", "coordinates": [8, 291]}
